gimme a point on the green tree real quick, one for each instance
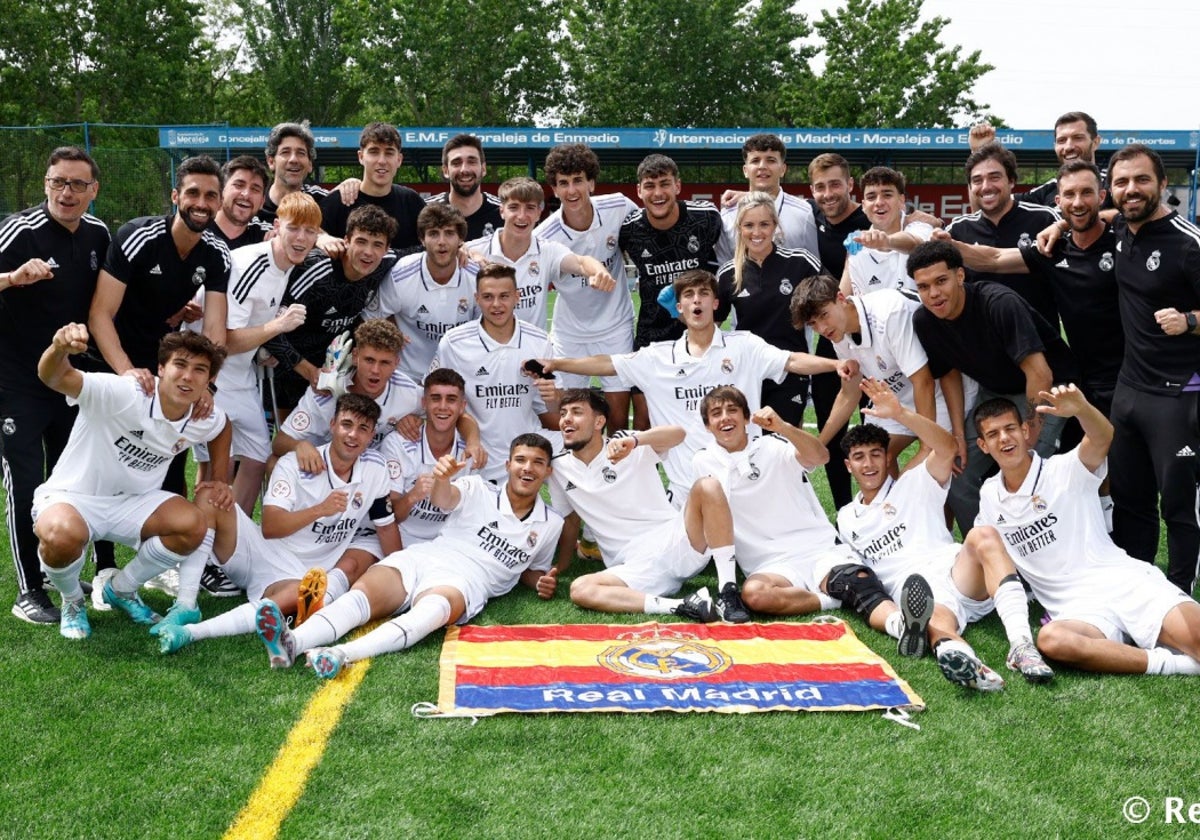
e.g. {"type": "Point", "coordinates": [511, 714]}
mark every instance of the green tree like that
{"type": "Point", "coordinates": [470, 62]}
{"type": "Point", "coordinates": [679, 62]}
{"type": "Point", "coordinates": [883, 68]}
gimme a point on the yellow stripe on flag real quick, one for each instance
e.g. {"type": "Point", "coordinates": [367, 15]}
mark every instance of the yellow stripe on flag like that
{"type": "Point", "coordinates": [572, 653]}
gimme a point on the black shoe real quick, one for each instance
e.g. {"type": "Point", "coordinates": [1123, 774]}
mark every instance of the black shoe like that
{"type": "Point", "coordinates": [730, 606]}
{"type": "Point", "coordinates": [35, 607]}
{"type": "Point", "coordinates": [698, 607]}
{"type": "Point", "coordinates": [217, 584]}
{"type": "Point", "coordinates": [916, 607]}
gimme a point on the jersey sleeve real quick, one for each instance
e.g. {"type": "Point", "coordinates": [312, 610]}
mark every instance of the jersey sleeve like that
{"type": "Point", "coordinates": [769, 359]}
{"type": "Point", "coordinates": [553, 254]}
{"type": "Point", "coordinates": [283, 488]}
{"type": "Point", "coordinates": [902, 338]}
{"type": "Point", "coordinates": [1014, 323]}
{"type": "Point", "coordinates": [105, 393]}
{"type": "Point", "coordinates": [15, 244]}
{"type": "Point", "coordinates": [630, 368]}
{"type": "Point", "coordinates": [558, 494]}
{"type": "Point", "coordinates": [117, 261]}
{"type": "Point", "coordinates": [542, 556]}
{"type": "Point", "coordinates": [305, 422]}
{"type": "Point", "coordinates": [216, 265]}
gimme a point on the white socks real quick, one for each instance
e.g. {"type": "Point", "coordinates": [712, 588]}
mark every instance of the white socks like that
{"type": "Point", "coordinates": [428, 614]}
{"type": "Point", "coordinates": [657, 605]}
{"type": "Point", "coordinates": [66, 579]}
{"type": "Point", "coordinates": [726, 565]}
{"type": "Point", "coordinates": [329, 624]}
{"type": "Point", "coordinates": [192, 568]}
{"type": "Point", "coordinates": [893, 625]}
{"type": "Point", "coordinates": [239, 620]}
{"type": "Point", "coordinates": [1013, 608]}
{"type": "Point", "coordinates": [1162, 661]}
{"type": "Point", "coordinates": [152, 558]}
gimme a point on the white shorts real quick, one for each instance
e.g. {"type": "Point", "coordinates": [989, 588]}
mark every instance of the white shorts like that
{"type": "Point", "coordinates": [258, 562]}
{"type": "Point", "coordinates": [366, 539]}
{"type": "Point", "coordinates": [119, 518]}
{"type": "Point", "coordinates": [250, 436]}
{"type": "Point", "coordinates": [805, 571]}
{"type": "Point", "coordinates": [1125, 603]}
{"type": "Point", "coordinates": [423, 568]}
{"type": "Point", "coordinates": [659, 561]}
{"type": "Point", "coordinates": [612, 345]}
{"type": "Point", "coordinates": [938, 570]}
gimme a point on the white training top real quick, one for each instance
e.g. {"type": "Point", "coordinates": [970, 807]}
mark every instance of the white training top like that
{"type": "Point", "coordinates": [292, 490]}
{"type": "Point", "coordinates": [492, 545]}
{"type": "Point", "coordinates": [423, 309]}
{"type": "Point", "coordinates": [406, 461]}
{"type": "Point", "coordinates": [538, 269]}
{"type": "Point", "coordinates": [776, 513]}
{"type": "Point", "coordinates": [582, 313]}
{"type": "Point", "coordinates": [902, 529]}
{"type": "Point", "coordinates": [314, 413]}
{"type": "Point", "coordinates": [121, 443]}
{"type": "Point", "coordinates": [797, 227]}
{"type": "Point", "coordinates": [256, 287]}
{"type": "Point", "coordinates": [620, 502]}
{"type": "Point", "coordinates": [872, 271]}
{"type": "Point", "coordinates": [675, 382]}
{"type": "Point", "coordinates": [502, 399]}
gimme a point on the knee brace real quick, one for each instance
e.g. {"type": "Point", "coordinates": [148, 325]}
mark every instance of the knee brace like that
{"type": "Point", "coordinates": [856, 587]}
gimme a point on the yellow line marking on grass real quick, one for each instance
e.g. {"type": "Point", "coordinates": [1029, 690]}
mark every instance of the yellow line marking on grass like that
{"type": "Point", "coordinates": [284, 781]}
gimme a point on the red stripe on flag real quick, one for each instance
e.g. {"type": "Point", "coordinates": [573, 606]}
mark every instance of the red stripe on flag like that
{"type": "Point", "coordinates": [768, 673]}
{"type": "Point", "coordinates": [606, 632]}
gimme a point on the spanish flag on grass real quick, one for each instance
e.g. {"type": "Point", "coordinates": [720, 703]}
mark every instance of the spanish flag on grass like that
{"type": "Point", "coordinates": [652, 667]}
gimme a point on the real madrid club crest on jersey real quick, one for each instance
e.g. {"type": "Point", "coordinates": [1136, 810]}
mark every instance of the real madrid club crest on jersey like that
{"type": "Point", "coordinates": [727, 366]}
{"type": "Point", "coordinates": [785, 286]}
{"type": "Point", "coordinates": [1106, 261]}
{"type": "Point", "coordinates": [1152, 262]}
{"type": "Point", "coordinates": [610, 475]}
{"type": "Point", "coordinates": [1025, 241]}
{"type": "Point", "coordinates": [693, 244]}
{"type": "Point", "coordinates": [198, 276]}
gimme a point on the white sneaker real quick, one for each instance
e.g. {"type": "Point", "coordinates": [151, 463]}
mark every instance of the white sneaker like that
{"type": "Point", "coordinates": [167, 582]}
{"type": "Point", "coordinates": [102, 577]}
{"type": "Point", "coordinates": [960, 666]}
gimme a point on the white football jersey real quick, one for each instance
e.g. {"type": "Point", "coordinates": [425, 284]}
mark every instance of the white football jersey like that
{"type": "Point", "coordinates": [292, 489]}
{"type": "Point", "coordinates": [313, 414]}
{"type": "Point", "coordinates": [582, 313]}
{"type": "Point", "coordinates": [406, 461]}
{"type": "Point", "coordinates": [675, 382]}
{"type": "Point", "coordinates": [538, 270]}
{"type": "Point", "coordinates": [502, 399]}
{"type": "Point", "coordinates": [903, 527]}
{"type": "Point", "coordinates": [423, 309]}
{"type": "Point", "coordinates": [620, 502]}
{"type": "Point", "coordinates": [797, 227]}
{"type": "Point", "coordinates": [776, 513]}
{"type": "Point", "coordinates": [495, 545]}
{"type": "Point", "coordinates": [256, 287]}
{"type": "Point", "coordinates": [872, 271]}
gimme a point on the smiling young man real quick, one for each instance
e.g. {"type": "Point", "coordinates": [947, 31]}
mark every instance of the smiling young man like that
{"type": "Point", "coordinates": [541, 264]}
{"type": "Point", "coordinates": [495, 537]}
{"type": "Point", "coordinates": [309, 520]}
{"type": "Point", "coordinates": [1076, 138]}
{"type": "Point", "coordinates": [291, 152]}
{"type": "Point", "coordinates": [241, 199]}
{"type": "Point", "coordinates": [107, 482]}
{"type": "Point", "coordinates": [380, 156]}
{"type": "Point", "coordinates": [49, 258]}
{"type": "Point", "coordinates": [428, 293]}
{"type": "Point", "coordinates": [464, 167]}
{"type": "Point", "coordinates": [1097, 597]}
{"type": "Point", "coordinates": [649, 548]}
{"type": "Point", "coordinates": [879, 264]}
{"type": "Point", "coordinates": [675, 375]}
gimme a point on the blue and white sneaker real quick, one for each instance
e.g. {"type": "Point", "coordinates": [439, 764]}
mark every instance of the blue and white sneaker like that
{"type": "Point", "coordinates": [177, 616]}
{"type": "Point", "coordinates": [275, 634]}
{"type": "Point", "coordinates": [134, 607]}
{"type": "Point", "coordinates": [327, 662]}
{"type": "Point", "coordinates": [172, 637]}
{"type": "Point", "coordinates": [960, 666]}
{"type": "Point", "coordinates": [73, 623]}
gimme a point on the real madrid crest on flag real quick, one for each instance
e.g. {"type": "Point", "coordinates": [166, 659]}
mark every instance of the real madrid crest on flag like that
{"type": "Point", "coordinates": [198, 276]}
{"type": "Point", "coordinates": [1106, 261]}
{"type": "Point", "coordinates": [1153, 261]}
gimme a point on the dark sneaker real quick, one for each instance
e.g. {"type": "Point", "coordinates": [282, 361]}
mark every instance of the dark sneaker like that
{"type": "Point", "coordinates": [215, 583]}
{"type": "Point", "coordinates": [916, 607]}
{"type": "Point", "coordinates": [698, 607]}
{"type": "Point", "coordinates": [730, 606]}
{"type": "Point", "coordinates": [959, 666]}
{"type": "Point", "coordinates": [1026, 659]}
{"type": "Point", "coordinates": [36, 607]}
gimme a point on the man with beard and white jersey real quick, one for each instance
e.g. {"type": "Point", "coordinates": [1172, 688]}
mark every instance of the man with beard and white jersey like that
{"type": "Point", "coordinates": [464, 167]}
{"type": "Point", "coordinates": [1003, 222]}
{"type": "Point", "coordinates": [411, 462]}
{"type": "Point", "coordinates": [49, 258]}
{"type": "Point", "coordinates": [308, 520]}
{"type": "Point", "coordinates": [649, 548]}
{"type": "Point", "coordinates": [291, 151]}
{"type": "Point", "coordinates": [880, 261]}
{"type": "Point", "coordinates": [587, 319]}
{"type": "Point", "coordinates": [495, 537]}
{"type": "Point", "coordinates": [785, 545]}
{"type": "Point", "coordinates": [1098, 598]}
{"type": "Point", "coordinates": [540, 264]}
{"type": "Point", "coordinates": [107, 483]}
{"type": "Point", "coordinates": [875, 331]}
{"type": "Point", "coordinates": [428, 293]}
{"type": "Point", "coordinates": [897, 527]}
{"type": "Point", "coordinates": [490, 354]}
{"type": "Point", "coordinates": [764, 163]}
{"type": "Point", "coordinates": [258, 276]}
{"type": "Point", "coordinates": [241, 200]}
{"type": "Point", "coordinates": [675, 375]}
{"type": "Point", "coordinates": [333, 291]}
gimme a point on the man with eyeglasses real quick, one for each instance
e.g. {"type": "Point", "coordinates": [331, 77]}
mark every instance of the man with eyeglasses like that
{"type": "Point", "coordinates": [49, 258]}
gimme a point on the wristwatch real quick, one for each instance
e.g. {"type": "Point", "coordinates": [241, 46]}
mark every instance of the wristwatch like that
{"type": "Point", "coordinates": [1190, 317]}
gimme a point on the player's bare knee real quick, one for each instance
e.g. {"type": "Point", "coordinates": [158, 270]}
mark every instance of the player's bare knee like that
{"type": "Point", "coordinates": [584, 591]}
{"type": "Point", "coordinates": [1056, 643]}
{"type": "Point", "coordinates": [756, 593]}
{"type": "Point", "coordinates": [62, 538]}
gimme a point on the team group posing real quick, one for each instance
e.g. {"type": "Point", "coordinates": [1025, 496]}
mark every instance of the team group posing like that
{"type": "Point", "coordinates": [400, 349]}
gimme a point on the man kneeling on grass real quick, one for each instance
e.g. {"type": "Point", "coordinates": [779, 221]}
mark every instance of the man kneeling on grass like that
{"type": "Point", "coordinates": [309, 520]}
{"type": "Point", "coordinates": [494, 537]}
